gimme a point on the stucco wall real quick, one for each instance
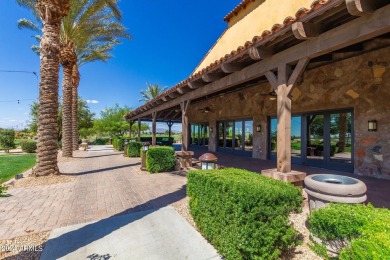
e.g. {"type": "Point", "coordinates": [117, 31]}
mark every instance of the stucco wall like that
{"type": "Point", "coordinates": [361, 83]}
{"type": "Point", "coordinates": [257, 17]}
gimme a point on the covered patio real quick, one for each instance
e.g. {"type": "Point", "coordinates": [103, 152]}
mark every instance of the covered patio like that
{"type": "Point", "coordinates": [329, 64]}
{"type": "Point", "coordinates": [378, 192]}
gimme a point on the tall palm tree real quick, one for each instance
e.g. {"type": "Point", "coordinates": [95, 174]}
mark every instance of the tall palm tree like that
{"type": "Point", "coordinates": [88, 33]}
{"type": "Point", "coordinates": [50, 12]}
{"type": "Point", "coordinates": [151, 92]}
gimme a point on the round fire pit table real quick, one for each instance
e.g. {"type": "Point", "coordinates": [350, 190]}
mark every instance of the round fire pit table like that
{"type": "Point", "coordinates": [325, 188]}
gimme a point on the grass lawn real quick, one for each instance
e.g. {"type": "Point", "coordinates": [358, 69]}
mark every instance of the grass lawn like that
{"type": "Point", "coordinates": [15, 164]}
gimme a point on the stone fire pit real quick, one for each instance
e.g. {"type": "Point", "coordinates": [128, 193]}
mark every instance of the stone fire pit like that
{"type": "Point", "coordinates": [325, 188]}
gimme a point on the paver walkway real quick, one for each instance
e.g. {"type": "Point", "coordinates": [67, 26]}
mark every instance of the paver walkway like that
{"type": "Point", "coordinates": [106, 184]}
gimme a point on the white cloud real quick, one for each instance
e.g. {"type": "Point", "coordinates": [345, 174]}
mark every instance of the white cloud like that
{"type": "Point", "coordinates": [92, 101]}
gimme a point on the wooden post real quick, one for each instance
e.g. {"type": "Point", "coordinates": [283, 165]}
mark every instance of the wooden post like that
{"type": "Point", "coordinates": [170, 124]}
{"type": "Point", "coordinates": [283, 84]}
{"type": "Point", "coordinates": [184, 123]}
{"type": "Point", "coordinates": [154, 116]}
{"type": "Point", "coordinates": [139, 130]}
{"type": "Point", "coordinates": [131, 122]}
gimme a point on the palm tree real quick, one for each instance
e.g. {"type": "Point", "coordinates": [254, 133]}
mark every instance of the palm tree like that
{"type": "Point", "coordinates": [88, 33]}
{"type": "Point", "coordinates": [151, 92]}
{"type": "Point", "coordinates": [50, 12]}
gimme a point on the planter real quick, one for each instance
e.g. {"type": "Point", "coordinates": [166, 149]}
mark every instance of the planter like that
{"type": "Point", "coordinates": [325, 188]}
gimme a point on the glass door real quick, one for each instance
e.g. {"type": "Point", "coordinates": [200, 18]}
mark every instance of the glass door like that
{"type": "Point", "coordinates": [315, 139]}
{"type": "Point", "coordinates": [236, 136]}
{"type": "Point", "coordinates": [340, 145]}
{"type": "Point", "coordinates": [322, 139]}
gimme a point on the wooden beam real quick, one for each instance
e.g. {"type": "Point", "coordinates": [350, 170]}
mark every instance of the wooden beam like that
{"type": "Point", "coordinates": [173, 95]}
{"type": "Point", "coordinates": [210, 77]}
{"type": "Point", "coordinates": [165, 99]}
{"type": "Point", "coordinates": [230, 68]}
{"type": "Point", "coordinates": [257, 53]}
{"type": "Point", "coordinates": [272, 79]}
{"type": "Point", "coordinates": [357, 30]}
{"type": "Point", "coordinates": [298, 71]}
{"type": "Point", "coordinates": [305, 31]}
{"type": "Point", "coordinates": [139, 129]}
{"type": "Point", "coordinates": [184, 122]}
{"type": "Point", "coordinates": [195, 84]}
{"type": "Point", "coordinates": [168, 114]}
{"type": "Point", "coordinates": [360, 7]}
{"type": "Point", "coordinates": [182, 90]}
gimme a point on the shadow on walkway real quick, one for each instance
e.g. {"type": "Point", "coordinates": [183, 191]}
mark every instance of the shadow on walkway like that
{"type": "Point", "coordinates": [97, 156]}
{"type": "Point", "coordinates": [89, 233]}
{"type": "Point", "coordinates": [101, 170]}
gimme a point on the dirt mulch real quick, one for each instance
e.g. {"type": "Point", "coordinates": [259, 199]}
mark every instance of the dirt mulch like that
{"type": "Point", "coordinates": [302, 252]}
{"type": "Point", "coordinates": [40, 181]}
{"type": "Point", "coordinates": [25, 247]}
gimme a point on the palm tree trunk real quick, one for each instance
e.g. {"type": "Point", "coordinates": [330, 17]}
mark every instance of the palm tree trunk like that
{"type": "Point", "coordinates": [51, 13]}
{"type": "Point", "coordinates": [75, 99]}
{"type": "Point", "coordinates": [67, 150]}
{"type": "Point", "coordinates": [68, 59]}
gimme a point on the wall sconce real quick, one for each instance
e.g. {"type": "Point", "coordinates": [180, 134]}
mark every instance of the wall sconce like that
{"type": "Point", "coordinates": [372, 125]}
{"type": "Point", "coordinates": [258, 128]}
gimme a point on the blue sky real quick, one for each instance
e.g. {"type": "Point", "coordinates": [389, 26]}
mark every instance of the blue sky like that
{"type": "Point", "coordinates": [169, 40]}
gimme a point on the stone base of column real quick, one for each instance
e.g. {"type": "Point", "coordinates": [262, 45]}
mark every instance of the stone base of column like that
{"type": "Point", "coordinates": [294, 177]}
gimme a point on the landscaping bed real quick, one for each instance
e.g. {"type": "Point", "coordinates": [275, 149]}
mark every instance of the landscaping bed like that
{"type": "Point", "coordinates": [10, 165]}
{"type": "Point", "coordinates": [244, 215]}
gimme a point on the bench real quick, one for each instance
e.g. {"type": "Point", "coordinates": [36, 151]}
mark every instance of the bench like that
{"type": "Point", "coordinates": [185, 158]}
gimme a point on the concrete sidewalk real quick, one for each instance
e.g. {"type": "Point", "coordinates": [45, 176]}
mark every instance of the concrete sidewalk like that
{"type": "Point", "coordinates": [154, 234]}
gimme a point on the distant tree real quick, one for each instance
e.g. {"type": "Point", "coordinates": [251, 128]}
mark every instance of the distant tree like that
{"type": "Point", "coordinates": [151, 92]}
{"type": "Point", "coordinates": [84, 114]}
{"type": "Point", "coordinates": [7, 139]}
{"type": "Point", "coordinates": [112, 121]}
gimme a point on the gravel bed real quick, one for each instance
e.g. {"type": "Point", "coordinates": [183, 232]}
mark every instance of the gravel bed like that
{"type": "Point", "coordinates": [27, 247]}
{"type": "Point", "coordinates": [40, 181]}
{"type": "Point", "coordinates": [302, 252]}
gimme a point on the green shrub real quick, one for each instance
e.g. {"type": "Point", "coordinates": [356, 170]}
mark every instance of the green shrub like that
{"type": "Point", "coordinates": [243, 214]}
{"type": "Point", "coordinates": [7, 139]}
{"type": "Point", "coordinates": [133, 149]}
{"type": "Point", "coordinates": [29, 146]}
{"type": "Point", "coordinates": [59, 144]}
{"type": "Point", "coordinates": [160, 159]}
{"type": "Point", "coordinates": [114, 142]}
{"type": "Point", "coordinates": [101, 141]}
{"type": "Point", "coordinates": [2, 188]}
{"type": "Point", "coordinates": [361, 232]}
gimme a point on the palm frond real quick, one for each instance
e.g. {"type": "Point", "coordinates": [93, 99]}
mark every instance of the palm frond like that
{"type": "Point", "coordinates": [29, 25]}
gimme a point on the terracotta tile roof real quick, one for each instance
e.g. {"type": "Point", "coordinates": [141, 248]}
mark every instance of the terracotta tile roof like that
{"type": "Point", "coordinates": [317, 5]}
{"type": "Point", "coordinates": [236, 9]}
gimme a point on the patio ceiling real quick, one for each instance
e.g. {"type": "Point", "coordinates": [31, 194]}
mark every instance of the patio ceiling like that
{"type": "Point", "coordinates": [325, 34]}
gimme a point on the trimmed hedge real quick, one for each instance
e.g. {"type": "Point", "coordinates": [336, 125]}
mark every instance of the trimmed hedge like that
{"type": "Point", "coordinates": [134, 149]}
{"type": "Point", "coordinates": [101, 141]}
{"type": "Point", "coordinates": [360, 231]}
{"type": "Point", "coordinates": [160, 159]}
{"type": "Point", "coordinates": [243, 214]}
{"type": "Point", "coordinates": [29, 146]}
{"type": "Point", "coordinates": [118, 143]}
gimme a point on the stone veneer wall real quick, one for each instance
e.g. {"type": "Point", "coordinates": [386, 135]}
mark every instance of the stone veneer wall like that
{"type": "Point", "coordinates": [361, 83]}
